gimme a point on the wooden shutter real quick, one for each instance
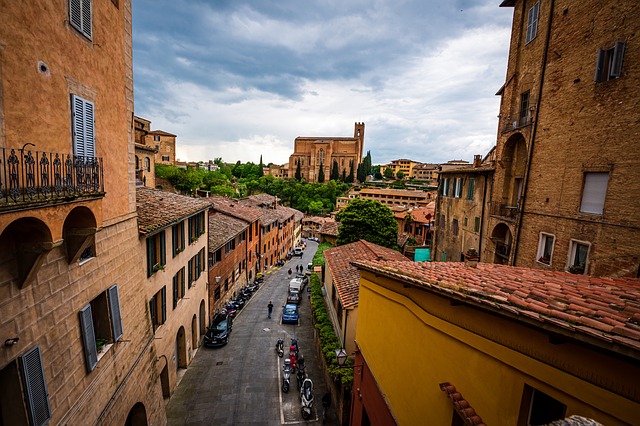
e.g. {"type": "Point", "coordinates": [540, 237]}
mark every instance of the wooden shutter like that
{"type": "Point", "coordinates": [175, 291]}
{"type": "Point", "coordinates": [150, 256]}
{"type": "Point", "coordinates": [190, 266]}
{"type": "Point", "coordinates": [152, 313]}
{"type": "Point", "coordinates": [89, 338]}
{"type": "Point", "coordinates": [80, 16]}
{"type": "Point", "coordinates": [174, 240]}
{"type": "Point", "coordinates": [116, 316]}
{"type": "Point", "coordinates": [598, 77]}
{"type": "Point", "coordinates": [470, 189]}
{"type": "Point", "coordinates": [35, 387]}
{"type": "Point", "coordinates": [163, 249]}
{"type": "Point", "coordinates": [83, 127]}
{"type": "Point", "coordinates": [86, 18]}
{"type": "Point", "coordinates": [164, 305]}
{"type": "Point", "coordinates": [616, 62]}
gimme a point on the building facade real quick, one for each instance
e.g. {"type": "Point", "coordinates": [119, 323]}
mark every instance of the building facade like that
{"type": "Point", "coordinates": [313, 153]}
{"type": "Point", "coordinates": [77, 346]}
{"type": "Point", "coordinates": [561, 198]}
{"type": "Point", "coordinates": [397, 197]}
{"type": "Point", "coordinates": [165, 146]}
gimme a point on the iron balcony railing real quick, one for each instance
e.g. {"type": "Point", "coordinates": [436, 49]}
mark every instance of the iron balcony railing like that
{"type": "Point", "coordinates": [33, 176]}
{"type": "Point", "coordinates": [517, 122]}
{"type": "Point", "coordinates": [503, 210]}
{"type": "Point", "coordinates": [502, 249]}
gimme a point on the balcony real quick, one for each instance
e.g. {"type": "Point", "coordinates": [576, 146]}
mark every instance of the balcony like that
{"type": "Point", "coordinates": [517, 122]}
{"type": "Point", "coordinates": [503, 250]}
{"type": "Point", "coordinates": [504, 211]}
{"type": "Point", "coordinates": [33, 177]}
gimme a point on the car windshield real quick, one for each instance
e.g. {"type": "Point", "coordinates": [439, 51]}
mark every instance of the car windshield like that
{"type": "Point", "coordinates": [289, 310]}
{"type": "Point", "coordinates": [221, 326]}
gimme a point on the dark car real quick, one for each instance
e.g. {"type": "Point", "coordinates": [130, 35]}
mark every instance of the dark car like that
{"type": "Point", "coordinates": [290, 314]}
{"type": "Point", "coordinates": [219, 330]}
{"type": "Point", "coordinates": [293, 297]}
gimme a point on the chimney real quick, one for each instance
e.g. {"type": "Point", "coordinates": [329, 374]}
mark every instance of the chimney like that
{"type": "Point", "coordinates": [477, 161]}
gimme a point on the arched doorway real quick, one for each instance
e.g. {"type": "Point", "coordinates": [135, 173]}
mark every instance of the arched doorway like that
{"type": "Point", "coordinates": [194, 332]}
{"type": "Point", "coordinates": [514, 162]}
{"type": "Point", "coordinates": [25, 244]}
{"type": "Point", "coordinates": [502, 238]}
{"type": "Point", "coordinates": [181, 349]}
{"type": "Point", "coordinates": [164, 377]}
{"type": "Point", "coordinates": [203, 319]}
{"type": "Point", "coordinates": [137, 416]}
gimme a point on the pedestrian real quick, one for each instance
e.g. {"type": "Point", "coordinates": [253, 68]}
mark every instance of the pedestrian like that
{"type": "Point", "coordinates": [289, 272]}
{"type": "Point", "coordinates": [270, 308]}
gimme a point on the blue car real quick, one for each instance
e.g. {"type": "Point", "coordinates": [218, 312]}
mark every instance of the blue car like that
{"type": "Point", "coordinates": [290, 314]}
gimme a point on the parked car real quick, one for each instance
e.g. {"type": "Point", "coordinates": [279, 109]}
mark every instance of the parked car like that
{"type": "Point", "coordinates": [297, 251]}
{"type": "Point", "coordinates": [219, 330]}
{"type": "Point", "coordinates": [293, 297]}
{"type": "Point", "coordinates": [303, 279]}
{"type": "Point", "coordinates": [290, 314]}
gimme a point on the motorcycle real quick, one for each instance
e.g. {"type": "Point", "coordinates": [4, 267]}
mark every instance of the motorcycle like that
{"type": "Point", "coordinates": [301, 376]}
{"type": "Point", "coordinates": [286, 375]}
{"type": "Point", "coordinates": [306, 398]}
{"type": "Point", "coordinates": [292, 357]}
{"type": "Point", "coordinates": [280, 348]}
{"type": "Point", "coordinates": [231, 310]}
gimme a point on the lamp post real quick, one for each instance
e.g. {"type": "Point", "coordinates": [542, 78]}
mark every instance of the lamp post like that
{"type": "Point", "coordinates": [341, 357]}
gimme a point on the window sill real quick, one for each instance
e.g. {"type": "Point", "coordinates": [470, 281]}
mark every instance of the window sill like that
{"type": "Point", "coordinates": [83, 261]}
{"type": "Point", "coordinates": [546, 263]}
{"type": "Point", "coordinates": [104, 350]}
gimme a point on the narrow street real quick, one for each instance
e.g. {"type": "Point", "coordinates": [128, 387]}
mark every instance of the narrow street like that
{"type": "Point", "coordinates": [240, 383]}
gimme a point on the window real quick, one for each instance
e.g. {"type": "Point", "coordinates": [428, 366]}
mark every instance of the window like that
{"type": "Point", "coordinates": [24, 397]}
{"type": "Point", "coordinates": [215, 257]}
{"type": "Point", "coordinates": [156, 138]}
{"type": "Point", "coordinates": [80, 16]}
{"type": "Point", "coordinates": [156, 258]}
{"type": "Point", "coordinates": [231, 245]}
{"type": "Point", "coordinates": [165, 158]}
{"type": "Point", "coordinates": [524, 109]}
{"type": "Point", "coordinates": [195, 268]}
{"type": "Point", "coordinates": [455, 226]}
{"type": "Point", "coordinates": [532, 22]}
{"type": "Point", "coordinates": [158, 308]}
{"type": "Point", "coordinates": [545, 248]}
{"type": "Point", "coordinates": [609, 62]}
{"type": "Point", "coordinates": [458, 188]}
{"type": "Point", "coordinates": [147, 164]}
{"type": "Point", "coordinates": [476, 225]}
{"type": "Point", "coordinates": [82, 119]}
{"type": "Point", "coordinates": [177, 238]}
{"type": "Point", "coordinates": [196, 227]}
{"type": "Point", "coordinates": [216, 294]}
{"type": "Point", "coordinates": [178, 287]}
{"type": "Point", "coordinates": [594, 192]}
{"type": "Point", "coordinates": [540, 408]}
{"type": "Point", "coordinates": [578, 256]}
{"type": "Point", "coordinates": [100, 323]}
{"type": "Point", "coordinates": [471, 188]}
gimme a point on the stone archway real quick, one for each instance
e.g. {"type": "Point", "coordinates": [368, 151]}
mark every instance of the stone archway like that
{"type": "Point", "coordinates": [514, 161]}
{"type": "Point", "coordinates": [194, 332]}
{"type": "Point", "coordinates": [25, 244]}
{"type": "Point", "coordinates": [203, 319]}
{"type": "Point", "coordinates": [181, 349]}
{"type": "Point", "coordinates": [137, 416]}
{"type": "Point", "coordinates": [502, 239]}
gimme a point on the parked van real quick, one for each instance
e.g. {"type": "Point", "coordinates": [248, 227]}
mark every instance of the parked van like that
{"type": "Point", "coordinates": [297, 251]}
{"type": "Point", "coordinates": [296, 285]}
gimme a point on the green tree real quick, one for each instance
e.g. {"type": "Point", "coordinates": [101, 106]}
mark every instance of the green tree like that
{"type": "Point", "coordinates": [367, 220]}
{"type": "Point", "coordinates": [315, 207]}
{"type": "Point", "coordinates": [400, 175]}
{"type": "Point", "coordinates": [361, 175]}
{"type": "Point", "coordinates": [260, 171]}
{"type": "Point", "coordinates": [321, 173]}
{"type": "Point", "coordinates": [335, 172]}
{"type": "Point", "coordinates": [344, 175]}
{"type": "Point", "coordinates": [388, 173]}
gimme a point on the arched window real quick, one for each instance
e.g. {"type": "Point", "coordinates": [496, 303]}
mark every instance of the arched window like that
{"type": "Point", "coordinates": [147, 164]}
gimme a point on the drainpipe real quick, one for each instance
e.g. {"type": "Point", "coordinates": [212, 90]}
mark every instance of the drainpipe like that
{"type": "Point", "coordinates": [344, 335]}
{"type": "Point", "coordinates": [484, 198]}
{"type": "Point", "coordinates": [543, 68]}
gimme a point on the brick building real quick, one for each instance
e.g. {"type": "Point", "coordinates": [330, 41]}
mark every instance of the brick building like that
{"type": "Point", "coordinates": [563, 195]}
{"type": "Point", "coordinates": [79, 347]}
{"type": "Point", "coordinates": [165, 146]}
{"type": "Point", "coordinates": [313, 152]}
{"type": "Point", "coordinates": [397, 197]}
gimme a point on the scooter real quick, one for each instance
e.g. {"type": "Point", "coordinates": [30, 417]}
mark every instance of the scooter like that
{"type": "Point", "coordinates": [292, 357]}
{"type": "Point", "coordinates": [286, 375]}
{"type": "Point", "coordinates": [306, 398]}
{"type": "Point", "coordinates": [280, 348]}
{"type": "Point", "coordinates": [301, 376]}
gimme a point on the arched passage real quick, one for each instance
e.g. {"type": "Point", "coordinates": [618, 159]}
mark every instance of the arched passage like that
{"type": "Point", "coordinates": [181, 349]}
{"type": "Point", "coordinates": [137, 416]}
{"type": "Point", "coordinates": [502, 238]}
{"type": "Point", "coordinates": [164, 378]}
{"type": "Point", "coordinates": [203, 318]}
{"type": "Point", "coordinates": [514, 162]}
{"type": "Point", "coordinates": [79, 234]}
{"type": "Point", "coordinates": [26, 243]}
{"type": "Point", "coordinates": [194, 332]}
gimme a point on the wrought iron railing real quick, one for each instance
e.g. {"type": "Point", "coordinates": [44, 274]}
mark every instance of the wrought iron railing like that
{"type": "Point", "coordinates": [497, 208]}
{"type": "Point", "coordinates": [502, 249]}
{"type": "Point", "coordinates": [30, 176]}
{"type": "Point", "coordinates": [517, 122]}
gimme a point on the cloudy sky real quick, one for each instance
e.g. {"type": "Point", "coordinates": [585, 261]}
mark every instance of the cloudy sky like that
{"type": "Point", "coordinates": [238, 78]}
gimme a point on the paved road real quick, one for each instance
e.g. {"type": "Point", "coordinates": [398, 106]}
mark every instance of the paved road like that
{"type": "Point", "coordinates": [239, 384]}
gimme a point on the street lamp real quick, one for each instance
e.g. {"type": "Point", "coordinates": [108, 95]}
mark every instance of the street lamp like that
{"type": "Point", "coordinates": [218, 279]}
{"type": "Point", "coordinates": [341, 357]}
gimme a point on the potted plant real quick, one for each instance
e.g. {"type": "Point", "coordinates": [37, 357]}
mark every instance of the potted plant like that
{"type": "Point", "coordinates": [100, 344]}
{"type": "Point", "coordinates": [158, 267]}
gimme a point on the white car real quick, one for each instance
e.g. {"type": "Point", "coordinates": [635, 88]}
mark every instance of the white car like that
{"type": "Point", "coordinates": [297, 251]}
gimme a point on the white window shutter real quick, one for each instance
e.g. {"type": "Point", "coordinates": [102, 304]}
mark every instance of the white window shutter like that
{"type": "Point", "coordinates": [83, 127]}
{"type": "Point", "coordinates": [86, 18]}
{"type": "Point", "coordinates": [88, 338]}
{"type": "Point", "coordinates": [75, 13]}
{"type": "Point", "coordinates": [116, 316]}
{"type": "Point", "coordinates": [594, 192]}
{"type": "Point", "coordinates": [35, 387]}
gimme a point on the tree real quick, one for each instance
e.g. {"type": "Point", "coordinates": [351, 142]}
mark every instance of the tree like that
{"type": "Point", "coordinates": [388, 173]}
{"type": "Point", "coordinates": [298, 171]}
{"type": "Point", "coordinates": [344, 175]}
{"type": "Point", "coordinates": [400, 175]}
{"type": "Point", "coordinates": [367, 220]}
{"type": "Point", "coordinates": [260, 171]}
{"type": "Point", "coordinates": [335, 172]}
{"type": "Point", "coordinates": [321, 173]}
{"type": "Point", "coordinates": [351, 176]}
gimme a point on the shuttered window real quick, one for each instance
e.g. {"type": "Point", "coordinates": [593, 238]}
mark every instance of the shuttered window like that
{"type": "Point", "coordinates": [609, 62]}
{"type": "Point", "coordinates": [594, 192]}
{"type": "Point", "coordinates": [116, 317]}
{"type": "Point", "coordinates": [80, 16]}
{"type": "Point", "coordinates": [470, 188]}
{"type": "Point", "coordinates": [83, 127]}
{"type": "Point", "coordinates": [532, 22]}
{"type": "Point", "coordinates": [88, 338]}
{"type": "Point", "coordinates": [35, 387]}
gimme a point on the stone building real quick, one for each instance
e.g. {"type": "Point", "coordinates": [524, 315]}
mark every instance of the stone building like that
{"type": "Point", "coordinates": [145, 154]}
{"type": "Point", "coordinates": [397, 197]}
{"type": "Point", "coordinates": [310, 153]}
{"type": "Point", "coordinates": [165, 145]}
{"type": "Point", "coordinates": [78, 345]}
{"type": "Point", "coordinates": [173, 240]}
{"type": "Point", "coordinates": [563, 196]}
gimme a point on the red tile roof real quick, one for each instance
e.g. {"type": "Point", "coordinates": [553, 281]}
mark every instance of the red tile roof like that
{"type": "Point", "coordinates": [158, 209]}
{"type": "Point", "coordinates": [329, 228]}
{"type": "Point", "coordinates": [232, 207]}
{"type": "Point", "coordinates": [222, 228]}
{"type": "Point", "coordinates": [461, 405]}
{"type": "Point", "coordinates": [607, 309]}
{"type": "Point", "coordinates": [346, 277]}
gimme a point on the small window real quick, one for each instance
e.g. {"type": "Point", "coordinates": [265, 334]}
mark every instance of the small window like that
{"type": "Point", "coordinates": [156, 138]}
{"type": "Point", "coordinates": [158, 308]}
{"type": "Point", "coordinates": [532, 22]}
{"type": "Point", "coordinates": [83, 132]}
{"type": "Point", "coordinates": [542, 408]}
{"type": "Point", "coordinates": [101, 324]}
{"type": "Point", "coordinates": [156, 258]}
{"type": "Point", "coordinates": [609, 62]}
{"type": "Point", "coordinates": [454, 226]}
{"type": "Point", "coordinates": [476, 225]}
{"type": "Point", "coordinates": [216, 294]}
{"type": "Point", "coordinates": [147, 164]}
{"type": "Point", "coordinates": [178, 287]}
{"type": "Point", "coordinates": [196, 227]}
{"type": "Point", "coordinates": [25, 399]}
{"type": "Point", "coordinates": [594, 192]}
{"type": "Point", "coordinates": [471, 188]}
{"type": "Point", "coordinates": [578, 257]}
{"type": "Point", "coordinates": [165, 158]}
{"type": "Point", "coordinates": [458, 188]}
{"type": "Point", "coordinates": [545, 248]}
{"type": "Point", "coordinates": [445, 187]}
{"type": "Point", "coordinates": [80, 16]}
{"type": "Point", "coordinates": [523, 119]}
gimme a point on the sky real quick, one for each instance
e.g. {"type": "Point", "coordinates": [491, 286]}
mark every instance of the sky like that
{"type": "Point", "coordinates": [240, 79]}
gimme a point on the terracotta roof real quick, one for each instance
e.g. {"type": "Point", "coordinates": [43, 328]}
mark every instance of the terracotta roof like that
{"type": "Point", "coordinates": [330, 228]}
{"type": "Point", "coordinates": [469, 169]}
{"type": "Point", "coordinates": [234, 208]}
{"type": "Point", "coordinates": [222, 228]}
{"type": "Point", "coordinates": [605, 311]}
{"type": "Point", "coordinates": [345, 275]}
{"type": "Point", "coordinates": [284, 213]}
{"type": "Point", "coordinates": [396, 192]}
{"type": "Point", "coordinates": [145, 147]}
{"type": "Point", "coordinates": [159, 209]}
{"type": "Point", "coordinates": [315, 219]}
{"type": "Point", "coordinates": [461, 405]}
{"type": "Point", "coordinates": [299, 216]}
{"type": "Point", "coordinates": [418, 214]}
{"type": "Point", "coordinates": [161, 132]}
{"type": "Point", "coordinates": [264, 199]}
{"type": "Point", "coordinates": [402, 239]}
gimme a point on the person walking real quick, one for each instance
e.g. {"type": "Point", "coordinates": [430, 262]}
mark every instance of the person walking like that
{"type": "Point", "coordinates": [270, 308]}
{"type": "Point", "coordinates": [289, 272]}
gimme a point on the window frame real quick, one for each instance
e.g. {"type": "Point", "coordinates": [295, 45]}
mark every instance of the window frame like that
{"type": "Point", "coordinates": [609, 62]}
{"type": "Point", "coordinates": [159, 300]}
{"type": "Point", "coordinates": [81, 17]}
{"type": "Point", "coordinates": [177, 238]}
{"type": "Point", "coordinates": [571, 256]}
{"type": "Point", "coordinates": [457, 192]}
{"type": "Point", "coordinates": [156, 253]}
{"type": "Point", "coordinates": [83, 127]}
{"type": "Point", "coordinates": [533, 17]}
{"type": "Point", "coordinates": [542, 245]}
{"type": "Point", "coordinates": [471, 188]}
{"type": "Point", "coordinates": [588, 189]}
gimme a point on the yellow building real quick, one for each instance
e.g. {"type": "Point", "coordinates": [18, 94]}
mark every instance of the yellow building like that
{"type": "Point", "coordinates": [449, 343]}
{"type": "Point", "coordinates": [312, 153]}
{"type": "Point", "coordinates": [78, 343]}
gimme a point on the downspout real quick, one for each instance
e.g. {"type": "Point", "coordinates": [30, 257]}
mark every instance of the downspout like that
{"type": "Point", "coordinates": [533, 135]}
{"type": "Point", "coordinates": [344, 335]}
{"type": "Point", "coordinates": [484, 198]}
